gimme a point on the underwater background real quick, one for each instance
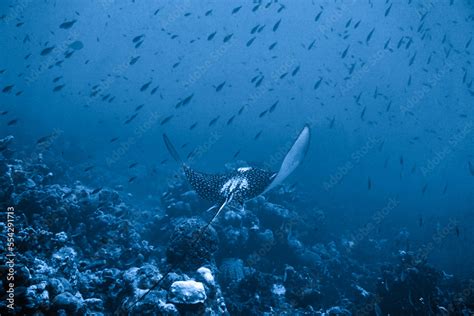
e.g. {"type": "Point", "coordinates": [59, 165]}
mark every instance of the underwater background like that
{"type": "Point", "coordinates": [377, 220]}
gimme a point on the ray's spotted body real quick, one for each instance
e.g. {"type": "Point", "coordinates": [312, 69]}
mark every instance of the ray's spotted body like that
{"type": "Point", "coordinates": [244, 183]}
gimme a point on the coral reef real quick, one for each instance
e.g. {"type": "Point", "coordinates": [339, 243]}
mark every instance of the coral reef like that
{"type": "Point", "coordinates": [79, 252]}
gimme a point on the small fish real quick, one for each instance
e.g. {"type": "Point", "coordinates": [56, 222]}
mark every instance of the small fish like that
{"type": "Point", "coordinates": [113, 139]}
{"type": "Point", "coordinates": [369, 184]}
{"type": "Point", "coordinates": [471, 168]}
{"type": "Point", "coordinates": [187, 99]}
{"type": "Point", "coordinates": [137, 38]}
{"type": "Point", "coordinates": [43, 139]}
{"type": "Point", "coordinates": [211, 36]}
{"type": "Point", "coordinates": [369, 36]}
{"type": "Point", "coordinates": [412, 60]}
{"type": "Point", "coordinates": [89, 168]}
{"type": "Point", "coordinates": [138, 108]}
{"type": "Point", "coordinates": [273, 107]}
{"type": "Point", "coordinates": [277, 24]}
{"type": "Point", "coordinates": [132, 179]}
{"type": "Point", "coordinates": [250, 41]}
{"type": "Point", "coordinates": [67, 25]}
{"type": "Point", "coordinates": [362, 114]}
{"type": "Point", "coordinates": [388, 10]}
{"type": "Point", "coordinates": [132, 165]}
{"type": "Point", "coordinates": [58, 88]}
{"type": "Point", "coordinates": [47, 50]}
{"type": "Point", "coordinates": [295, 71]}
{"type": "Point", "coordinates": [134, 60]}
{"type": "Point", "coordinates": [166, 119]}
{"type": "Point", "coordinates": [95, 191]}
{"type": "Point", "coordinates": [230, 120]}
{"type": "Point", "coordinates": [445, 188]}
{"type": "Point", "coordinates": [214, 121]}
{"type": "Point", "coordinates": [228, 37]}
{"type": "Point", "coordinates": [76, 45]}
{"type": "Point", "coordinates": [318, 16]}
{"type": "Point", "coordinates": [262, 114]}
{"type": "Point", "coordinates": [178, 104]}
{"type": "Point", "coordinates": [423, 190]}
{"type": "Point", "coordinates": [8, 89]}
{"type": "Point", "coordinates": [272, 46]}
{"type": "Point", "coordinates": [145, 86]}
{"type": "Point", "coordinates": [220, 86]}
{"type": "Point", "coordinates": [236, 154]}
{"type": "Point", "coordinates": [257, 136]}
{"type": "Point", "coordinates": [317, 84]}
{"type": "Point", "coordinates": [209, 12]}
{"type": "Point", "coordinates": [457, 231]}
{"type": "Point", "coordinates": [344, 53]}
{"type": "Point", "coordinates": [193, 125]}
{"type": "Point", "coordinates": [237, 9]}
{"type": "Point", "coordinates": [131, 118]}
{"type": "Point", "coordinates": [12, 122]}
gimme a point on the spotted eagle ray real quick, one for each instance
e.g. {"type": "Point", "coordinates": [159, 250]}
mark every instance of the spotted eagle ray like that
{"type": "Point", "coordinates": [244, 183]}
{"type": "Point", "coordinates": [240, 185]}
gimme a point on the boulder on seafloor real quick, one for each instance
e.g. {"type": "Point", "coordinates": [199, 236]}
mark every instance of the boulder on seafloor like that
{"type": "Point", "coordinates": [190, 246]}
{"type": "Point", "coordinates": [68, 302]}
{"type": "Point", "coordinates": [187, 292]}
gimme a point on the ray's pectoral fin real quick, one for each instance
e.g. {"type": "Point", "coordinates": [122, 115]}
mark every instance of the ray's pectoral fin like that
{"type": "Point", "coordinates": [173, 152]}
{"type": "Point", "coordinates": [293, 158]}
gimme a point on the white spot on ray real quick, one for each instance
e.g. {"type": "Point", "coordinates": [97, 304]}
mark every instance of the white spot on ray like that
{"type": "Point", "coordinates": [243, 169]}
{"type": "Point", "coordinates": [234, 183]}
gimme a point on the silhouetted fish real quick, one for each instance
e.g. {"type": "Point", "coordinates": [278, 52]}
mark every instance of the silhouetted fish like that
{"type": "Point", "coordinates": [67, 25]}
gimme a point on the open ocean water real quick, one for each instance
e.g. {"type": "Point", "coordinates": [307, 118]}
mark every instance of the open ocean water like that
{"type": "Point", "coordinates": [273, 157]}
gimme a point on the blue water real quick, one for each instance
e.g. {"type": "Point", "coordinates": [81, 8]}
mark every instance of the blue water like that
{"type": "Point", "coordinates": [385, 86]}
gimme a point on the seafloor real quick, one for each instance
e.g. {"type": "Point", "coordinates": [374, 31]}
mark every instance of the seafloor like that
{"type": "Point", "coordinates": [80, 251]}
